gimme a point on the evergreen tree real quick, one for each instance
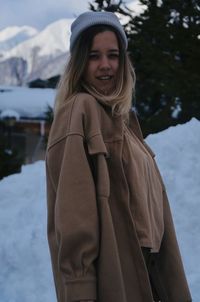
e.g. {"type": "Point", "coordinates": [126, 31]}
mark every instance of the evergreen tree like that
{"type": "Point", "coordinates": [164, 46]}
{"type": "Point", "coordinates": [10, 159]}
{"type": "Point", "coordinates": [49, 114]}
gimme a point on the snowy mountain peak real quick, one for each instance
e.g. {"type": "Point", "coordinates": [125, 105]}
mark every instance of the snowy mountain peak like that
{"type": "Point", "coordinates": [41, 55]}
{"type": "Point", "coordinates": [12, 36]}
{"type": "Point", "coordinates": [55, 37]}
{"type": "Point", "coordinates": [11, 31]}
{"type": "Point", "coordinates": [50, 41]}
{"type": "Point", "coordinates": [65, 24]}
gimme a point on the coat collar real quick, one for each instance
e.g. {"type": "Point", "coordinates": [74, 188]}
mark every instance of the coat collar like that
{"type": "Point", "coordinates": [113, 127]}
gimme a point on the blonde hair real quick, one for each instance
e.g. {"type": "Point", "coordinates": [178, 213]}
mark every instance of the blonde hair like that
{"type": "Point", "coordinates": [72, 80]}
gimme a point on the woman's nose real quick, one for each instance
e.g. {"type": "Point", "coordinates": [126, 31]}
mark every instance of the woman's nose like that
{"type": "Point", "coordinates": [104, 63]}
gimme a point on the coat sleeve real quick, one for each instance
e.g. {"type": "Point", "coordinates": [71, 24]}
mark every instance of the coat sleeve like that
{"type": "Point", "coordinates": [76, 222]}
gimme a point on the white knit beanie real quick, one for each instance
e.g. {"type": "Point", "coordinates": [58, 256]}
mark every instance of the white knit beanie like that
{"type": "Point", "coordinates": [89, 19]}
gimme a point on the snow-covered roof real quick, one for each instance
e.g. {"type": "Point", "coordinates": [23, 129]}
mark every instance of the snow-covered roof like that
{"type": "Point", "coordinates": [26, 102]}
{"type": "Point", "coordinates": [9, 113]}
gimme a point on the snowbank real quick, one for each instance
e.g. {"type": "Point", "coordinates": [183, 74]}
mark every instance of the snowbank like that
{"type": "Point", "coordinates": [178, 150]}
{"type": "Point", "coordinates": [25, 274]}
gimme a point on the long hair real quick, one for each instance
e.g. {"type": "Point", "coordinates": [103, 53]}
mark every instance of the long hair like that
{"type": "Point", "coordinates": [72, 80]}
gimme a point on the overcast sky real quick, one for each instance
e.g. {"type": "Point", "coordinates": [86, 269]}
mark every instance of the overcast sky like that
{"type": "Point", "coordinates": [39, 13]}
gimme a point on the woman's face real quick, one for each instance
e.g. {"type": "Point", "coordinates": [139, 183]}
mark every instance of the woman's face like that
{"type": "Point", "coordinates": [103, 63]}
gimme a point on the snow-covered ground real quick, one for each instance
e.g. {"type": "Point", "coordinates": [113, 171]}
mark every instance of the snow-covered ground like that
{"type": "Point", "coordinates": [25, 272]}
{"type": "Point", "coordinates": [178, 150]}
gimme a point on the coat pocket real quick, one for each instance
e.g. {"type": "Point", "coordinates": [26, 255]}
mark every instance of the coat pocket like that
{"type": "Point", "coordinates": [96, 145]}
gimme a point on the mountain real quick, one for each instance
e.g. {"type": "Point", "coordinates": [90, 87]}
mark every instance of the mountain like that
{"type": "Point", "coordinates": [14, 35]}
{"type": "Point", "coordinates": [41, 55]}
{"type": "Point", "coordinates": [27, 54]}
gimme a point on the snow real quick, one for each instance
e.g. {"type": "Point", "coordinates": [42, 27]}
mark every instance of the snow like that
{"type": "Point", "coordinates": [51, 41]}
{"type": "Point", "coordinates": [59, 32]}
{"type": "Point", "coordinates": [178, 150]}
{"type": "Point", "coordinates": [27, 102]}
{"type": "Point", "coordinates": [11, 31]}
{"type": "Point", "coordinates": [25, 274]}
{"type": "Point", "coordinates": [9, 114]}
{"type": "Point", "coordinates": [136, 8]}
{"type": "Point", "coordinates": [14, 35]}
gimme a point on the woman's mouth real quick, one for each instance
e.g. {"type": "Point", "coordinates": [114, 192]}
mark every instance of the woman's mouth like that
{"type": "Point", "coordinates": [105, 78]}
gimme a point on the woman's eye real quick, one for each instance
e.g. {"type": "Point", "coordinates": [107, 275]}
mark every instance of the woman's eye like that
{"type": "Point", "coordinates": [114, 56]}
{"type": "Point", "coordinates": [93, 56]}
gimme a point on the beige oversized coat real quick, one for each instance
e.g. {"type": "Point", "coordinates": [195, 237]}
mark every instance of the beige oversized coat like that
{"type": "Point", "coordinates": [92, 238]}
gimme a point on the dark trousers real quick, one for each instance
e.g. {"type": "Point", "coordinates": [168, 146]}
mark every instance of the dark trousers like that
{"type": "Point", "coordinates": [158, 290]}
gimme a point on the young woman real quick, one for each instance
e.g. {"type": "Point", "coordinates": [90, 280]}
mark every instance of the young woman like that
{"type": "Point", "coordinates": [110, 229]}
